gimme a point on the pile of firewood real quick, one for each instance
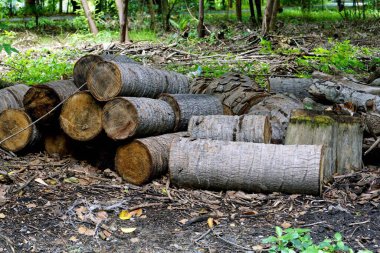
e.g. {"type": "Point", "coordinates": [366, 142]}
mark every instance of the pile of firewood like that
{"type": "Point", "coordinates": [227, 134]}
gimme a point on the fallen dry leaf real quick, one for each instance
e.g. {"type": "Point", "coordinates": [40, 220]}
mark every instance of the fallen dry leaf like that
{"type": "Point", "coordinates": [31, 205]}
{"type": "Point", "coordinates": [183, 221]}
{"type": "Point", "coordinates": [73, 239]}
{"type": "Point", "coordinates": [210, 222]}
{"type": "Point", "coordinates": [102, 215]}
{"type": "Point", "coordinates": [137, 212]}
{"type": "Point", "coordinates": [127, 230]}
{"type": "Point", "coordinates": [135, 240]}
{"type": "Point", "coordinates": [41, 181]}
{"type": "Point", "coordinates": [80, 211]}
{"type": "Point", "coordinates": [71, 180]}
{"type": "Point", "coordinates": [286, 225]}
{"type": "Point", "coordinates": [2, 216]}
{"type": "Point", "coordinates": [86, 231]}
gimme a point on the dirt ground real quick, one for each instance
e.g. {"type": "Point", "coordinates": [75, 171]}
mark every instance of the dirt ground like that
{"type": "Point", "coordinates": [49, 204]}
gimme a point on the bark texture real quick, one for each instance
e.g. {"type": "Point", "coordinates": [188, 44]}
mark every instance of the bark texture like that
{"type": "Point", "coordinates": [187, 105]}
{"type": "Point", "coordinates": [296, 86]}
{"type": "Point", "coordinates": [12, 121]}
{"type": "Point", "coordinates": [110, 79]}
{"type": "Point", "coordinates": [278, 108]}
{"type": "Point", "coordinates": [250, 167]}
{"type": "Point", "coordinates": [237, 93]}
{"type": "Point", "coordinates": [11, 97]}
{"type": "Point", "coordinates": [87, 62]}
{"type": "Point", "coordinates": [142, 160]}
{"type": "Point", "coordinates": [40, 99]}
{"type": "Point", "coordinates": [341, 134]}
{"type": "Point", "coordinates": [245, 128]}
{"type": "Point", "coordinates": [126, 117]}
{"type": "Point", "coordinates": [81, 117]}
{"type": "Point", "coordinates": [87, 13]}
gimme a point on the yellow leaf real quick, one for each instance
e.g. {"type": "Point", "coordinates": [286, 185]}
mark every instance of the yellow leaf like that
{"type": "Point", "coordinates": [210, 222]}
{"type": "Point", "coordinates": [125, 215]}
{"type": "Point", "coordinates": [2, 216]}
{"type": "Point", "coordinates": [127, 230]}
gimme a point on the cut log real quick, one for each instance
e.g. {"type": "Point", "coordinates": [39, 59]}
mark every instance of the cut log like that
{"type": "Point", "coordinates": [250, 167]}
{"type": "Point", "coordinates": [57, 143]}
{"type": "Point", "coordinates": [277, 108]}
{"type": "Point", "coordinates": [245, 128]}
{"type": "Point", "coordinates": [127, 116]}
{"type": "Point", "coordinates": [81, 117]}
{"type": "Point", "coordinates": [187, 105]}
{"type": "Point", "coordinates": [296, 86]}
{"type": "Point", "coordinates": [237, 93]}
{"type": "Point", "coordinates": [106, 80]}
{"type": "Point", "coordinates": [142, 160]}
{"type": "Point", "coordinates": [40, 99]}
{"type": "Point", "coordinates": [11, 97]}
{"type": "Point", "coordinates": [11, 122]}
{"type": "Point", "coordinates": [86, 62]}
{"type": "Point", "coordinates": [342, 135]}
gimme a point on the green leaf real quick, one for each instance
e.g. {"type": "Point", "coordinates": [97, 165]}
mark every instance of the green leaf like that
{"type": "Point", "coordinates": [338, 236]}
{"type": "Point", "coordinates": [270, 239]}
{"type": "Point", "coordinates": [278, 231]}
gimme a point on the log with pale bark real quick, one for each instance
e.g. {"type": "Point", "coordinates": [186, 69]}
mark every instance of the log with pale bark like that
{"type": "Point", "coordinates": [142, 160]}
{"type": "Point", "coordinates": [106, 80]}
{"type": "Point", "coordinates": [277, 108]}
{"type": "Point", "coordinates": [244, 128]}
{"type": "Point", "coordinates": [86, 62]}
{"type": "Point", "coordinates": [238, 93]}
{"type": "Point", "coordinates": [250, 167]}
{"type": "Point", "coordinates": [41, 99]}
{"type": "Point", "coordinates": [187, 105]}
{"type": "Point", "coordinates": [11, 97]}
{"type": "Point", "coordinates": [81, 117]}
{"type": "Point", "coordinates": [12, 121]}
{"type": "Point", "coordinates": [126, 117]}
{"type": "Point", "coordinates": [296, 86]}
{"type": "Point", "coordinates": [341, 134]}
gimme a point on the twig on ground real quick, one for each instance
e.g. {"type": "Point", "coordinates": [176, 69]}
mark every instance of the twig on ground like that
{"type": "Point", "coordinates": [25, 184]}
{"type": "Point", "coordinates": [374, 145]}
{"type": "Point", "coordinates": [203, 235]}
{"type": "Point", "coordinates": [312, 224]}
{"type": "Point", "coordinates": [144, 205]}
{"type": "Point", "coordinates": [229, 242]}
{"type": "Point", "coordinates": [8, 152]}
{"type": "Point", "coordinates": [359, 223]}
{"type": "Point", "coordinates": [8, 242]}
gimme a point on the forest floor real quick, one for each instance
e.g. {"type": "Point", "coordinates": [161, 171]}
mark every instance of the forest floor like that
{"type": "Point", "coordinates": [49, 204]}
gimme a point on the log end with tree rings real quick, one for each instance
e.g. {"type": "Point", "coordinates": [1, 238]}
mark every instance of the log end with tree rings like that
{"type": "Point", "coordinates": [12, 121]}
{"type": "Point", "coordinates": [104, 80]}
{"type": "Point", "coordinates": [82, 67]}
{"type": "Point", "coordinates": [120, 119]}
{"type": "Point", "coordinates": [39, 100]}
{"type": "Point", "coordinates": [134, 163]}
{"type": "Point", "coordinates": [81, 117]}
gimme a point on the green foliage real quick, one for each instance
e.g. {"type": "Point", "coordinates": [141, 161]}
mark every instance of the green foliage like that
{"type": "Point", "coordinates": [34, 67]}
{"type": "Point", "coordinates": [8, 48]}
{"type": "Point", "coordinates": [266, 46]}
{"type": "Point", "coordinates": [299, 240]}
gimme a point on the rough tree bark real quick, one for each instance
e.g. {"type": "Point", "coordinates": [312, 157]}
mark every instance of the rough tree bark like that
{"type": "Point", "coordinates": [297, 86]}
{"type": "Point", "coordinates": [237, 93]}
{"type": "Point", "coordinates": [239, 15]}
{"type": "Point", "coordinates": [127, 117]}
{"type": "Point", "coordinates": [87, 62]}
{"type": "Point", "coordinates": [107, 80]}
{"type": "Point", "coordinates": [250, 167]}
{"type": "Point", "coordinates": [270, 16]}
{"type": "Point", "coordinates": [11, 97]}
{"type": "Point", "coordinates": [124, 37]}
{"type": "Point", "coordinates": [90, 21]}
{"type": "Point", "coordinates": [201, 27]}
{"type": "Point", "coordinates": [187, 105]}
{"type": "Point", "coordinates": [246, 128]}
{"type": "Point", "coordinates": [81, 117]}
{"type": "Point", "coordinates": [342, 135]}
{"type": "Point", "coordinates": [12, 121]}
{"type": "Point", "coordinates": [165, 14]}
{"type": "Point", "coordinates": [142, 160]}
{"type": "Point", "coordinates": [40, 99]}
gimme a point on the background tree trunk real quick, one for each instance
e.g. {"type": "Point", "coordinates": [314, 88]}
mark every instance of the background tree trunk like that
{"type": "Point", "coordinates": [201, 27]}
{"type": "Point", "coordinates": [252, 12]}
{"type": "Point", "coordinates": [165, 14]}
{"type": "Point", "coordinates": [122, 7]}
{"type": "Point", "coordinates": [152, 15]}
{"type": "Point", "coordinates": [258, 10]}
{"type": "Point", "coordinates": [239, 11]}
{"type": "Point", "coordinates": [267, 17]}
{"type": "Point", "coordinates": [90, 21]}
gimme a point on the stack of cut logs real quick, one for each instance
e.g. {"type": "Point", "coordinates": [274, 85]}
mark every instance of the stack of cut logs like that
{"type": "Point", "coordinates": [208, 135]}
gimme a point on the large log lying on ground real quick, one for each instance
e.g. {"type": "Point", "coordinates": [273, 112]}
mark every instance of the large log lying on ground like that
{"type": "Point", "coordinates": [81, 117]}
{"type": "Point", "coordinates": [11, 97]}
{"type": "Point", "coordinates": [187, 105]}
{"type": "Point", "coordinates": [127, 116]}
{"type": "Point", "coordinates": [57, 143]}
{"type": "Point", "coordinates": [327, 90]}
{"type": "Point", "coordinates": [296, 86]}
{"type": "Point", "coordinates": [144, 159]}
{"type": "Point", "coordinates": [237, 93]}
{"type": "Point", "coordinates": [86, 62]}
{"type": "Point", "coordinates": [277, 108]}
{"type": "Point", "coordinates": [11, 122]}
{"type": "Point", "coordinates": [342, 135]}
{"type": "Point", "coordinates": [107, 80]}
{"type": "Point", "coordinates": [250, 167]}
{"type": "Point", "coordinates": [40, 99]}
{"type": "Point", "coordinates": [245, 128]}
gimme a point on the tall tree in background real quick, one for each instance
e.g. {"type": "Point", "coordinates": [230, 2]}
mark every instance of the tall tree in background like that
{"type": "Point", "coordinates": [152, 15]}
{"type": "Point", "coordinates": [201, 26]}
{"type": "Point", "coordinates": [165, 14]}
{"type": "Point", "coordinates": [211, 4]}
{"type": "Point", "coordinates": [32, 7]}
{"type": "Point", "coordinates": [239, 11]}
{"type": "Point", "coordinates": [270, 16]}
{"type": "Point", "coordinates": [258, 10]}
{"type": "Point", "coordinates": [90, 21]}
{"type": "Point", "coordinates": [252, 12]}
{"type": "Point", "coordinates": [122, 8]}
